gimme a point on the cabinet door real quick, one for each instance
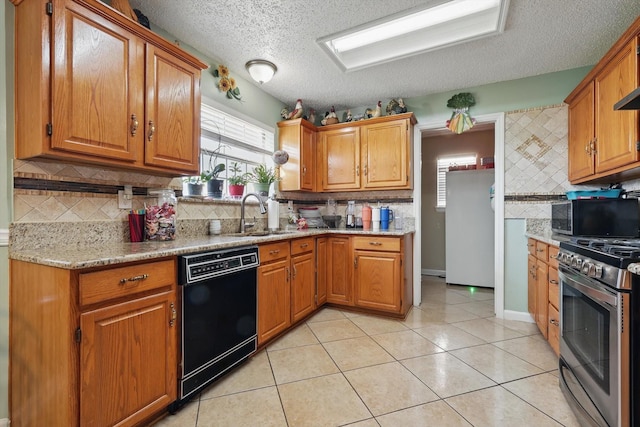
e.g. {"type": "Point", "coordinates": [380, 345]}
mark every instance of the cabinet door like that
{"type": "Point", "coordinates": [340, 154]}
{"type": "Point", "coordinates": [128, 367]}
{"type": "Point", "coordinates": [274, 299]}
{"type": "Point", "coordinates": [531, 286]}
{"type": "Point", "coordinates": [303, 285]}
{"type": "Point", "coordinates": [321, 271]}
{"type": "Point", "coordinates": [297, 138]}
{"type": "Point", "coordinates": [616, 131]}
{"type": "Point", "coordinates": [377, 280]}
{"type": "Point", "coordinates": [385, 158]}
{"type": "Point", "coordinates": [581, 135]}
{"type": "Point", "coordinates": [172, 122]}
{"type": "Point", "coordinates": [542, 297]}
{"type": "Point", "coordinates": [339, 259]}
{"type": "Point", "coordinates": [97, 85]}
{"type": "Point", "coordinates": [554, 329]}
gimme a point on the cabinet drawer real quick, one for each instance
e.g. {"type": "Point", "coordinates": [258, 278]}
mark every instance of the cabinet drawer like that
{"type": "Point", "coordinates": [542, 251]}
{"type": "Point", "coordinates": [531, 246]}
{"type": "Point", "coordinates": [553, 256]}
{"type": "Point", "coordinates": [273, 251]}
{"type": "Point", "coordinates": [554, 288]}
{"type": "Point", "coordinates": [299, 246]}
{"type": "Point", "coordinates": [103, 285]}
{"type": "Point", "coordinates": [377, 243]}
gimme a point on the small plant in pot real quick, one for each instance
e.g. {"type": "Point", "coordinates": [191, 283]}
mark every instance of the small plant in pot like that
{"type": "Point", "coordinates": [238, 180]}
{"type": "Point", "coordinates": [262, 177]}
{"type": "Point", "coordinates": [194, 185]}
{"type": "Point", "coordinates": [214, 184]}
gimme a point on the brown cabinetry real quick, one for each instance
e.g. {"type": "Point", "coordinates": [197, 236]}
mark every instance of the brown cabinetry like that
{"type": "Point", "coordinates": [603, 141]}
{"type": "Point", "coordinates": [543, 289]}
{"type": "Point", "coordinates": [101, 347]}
{"type": "Point", "coordinates": [338, 271]}
{"type": "Point", "coordinates": [274, 290]}
{"type": "Point", "coordinates": [366, 155]}
{"type": "Point", "coordinates": [298, 139]}
{"type": "Point", "coordinates": [321, 270]}
{"type": "Point", "coordinates": [94, 87]}
{"type": "Point", "coordinates": [377, 274]}
{"type": "Point", "coordinates": [303, 278]}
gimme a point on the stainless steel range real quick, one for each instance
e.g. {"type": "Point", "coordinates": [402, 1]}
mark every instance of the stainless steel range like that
{"type": "Point", "coordinates": [599, 325]}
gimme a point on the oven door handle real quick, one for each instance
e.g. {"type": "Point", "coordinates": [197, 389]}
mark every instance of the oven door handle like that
{"type": "Point", "coordinates": [597, 295]}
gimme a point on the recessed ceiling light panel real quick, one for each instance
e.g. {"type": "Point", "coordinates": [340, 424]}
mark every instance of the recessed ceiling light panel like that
{"type": "Point", "coordinates": [418, 31]}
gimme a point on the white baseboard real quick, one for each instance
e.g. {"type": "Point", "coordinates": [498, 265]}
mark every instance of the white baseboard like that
{"type": "Point", "coordinates": [429, 272]}
{"type": "Point", "coordinates": [521, 316]}
{"type": "Point", "coordinates": [4, 422]}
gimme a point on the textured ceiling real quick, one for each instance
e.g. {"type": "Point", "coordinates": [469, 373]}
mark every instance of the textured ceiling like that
{"type": "Point", "coordinates": [541, 36]}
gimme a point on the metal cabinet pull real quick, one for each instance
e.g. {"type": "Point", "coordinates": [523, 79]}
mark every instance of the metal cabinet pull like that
{"type": "Point", "coordinates": [304, 170]}
{"type": "Point", "coordinates": [295, 272]}
{"type": "Point", "coordinates": [553, 282]}
{"type": "Point", "coordinates": [274, 252]}
{"type": "Point", "coordinates": [304, 245]}
{"type": "Point", "coordinates": [288, 274]}
{"type": "Point", "coordinates": [355, 262]}
{"type": "Point", "coordinates": [174, 314]}
{"type": "Point", "coordinates": [366, 170]}
{"type": "Point", "coordinates": [134, 125]}
{"type": "Point", "coordinates": [375, 243]}
{"type": "Point", "coordinates": [358, 170]}
{"type": "Point", "coordinates": [134, 279]}
{"type": "Point", "coordinates": [152, 129]}
{"type": "Point", "coordinates": [554, 322]}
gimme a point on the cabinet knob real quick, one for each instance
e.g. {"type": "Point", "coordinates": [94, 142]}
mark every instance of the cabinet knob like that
{"type": "Point", "coordinates": [134, 125]}
{"type": "Point", "coordinates": [554, 322]}
{"type": "Point", "coordinates": [152, 129]}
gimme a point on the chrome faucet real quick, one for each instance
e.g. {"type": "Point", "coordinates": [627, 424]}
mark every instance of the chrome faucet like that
{"type": "Point", "coordinates": [263, 210]}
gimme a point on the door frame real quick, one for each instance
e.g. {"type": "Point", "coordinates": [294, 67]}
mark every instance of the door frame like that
{"type": "Point", "coordinates": [498, 119]}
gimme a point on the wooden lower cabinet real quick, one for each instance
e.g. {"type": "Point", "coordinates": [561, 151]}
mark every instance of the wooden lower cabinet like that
{"type": "Point", "coordinates": [303, 278]}
{"type": "Point", "coordinates": [274, 291]}
{"type": "Point", "coordinates": [321, 271]}
{"type": "Point", "coordinates": [92, 348]}
{"type": "Point", "coordinates": [543, 290]}
{"type": "Point", "coordinates": [338, 271]}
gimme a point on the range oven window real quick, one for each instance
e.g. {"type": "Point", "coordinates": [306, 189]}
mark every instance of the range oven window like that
{"type": "Point", "coordinates": [585, 329]}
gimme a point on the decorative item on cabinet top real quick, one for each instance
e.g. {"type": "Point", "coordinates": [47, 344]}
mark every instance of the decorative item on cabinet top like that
{"type": "Point", "coordinates": [296, 113]}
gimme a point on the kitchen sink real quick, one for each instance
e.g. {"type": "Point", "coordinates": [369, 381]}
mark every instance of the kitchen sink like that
{"type": "Point", "coordinates": [260, 233]}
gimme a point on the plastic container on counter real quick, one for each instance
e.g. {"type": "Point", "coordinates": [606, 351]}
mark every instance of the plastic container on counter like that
{"type": "Point", "coordinates": [160, 215]}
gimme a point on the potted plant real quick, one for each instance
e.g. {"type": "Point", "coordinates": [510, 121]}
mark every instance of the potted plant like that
{"type": "Point", "coordinates": [194, 185]}
{"type": "Point", "coordinates": [262, 177]}
{"type": "Point", "coordinates": [210, 177]}
{"type": "Point", "coordinates": [238, 180]}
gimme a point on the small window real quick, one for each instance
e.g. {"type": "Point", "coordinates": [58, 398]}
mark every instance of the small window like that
{"type": "Point", "coordinates": [441, 178]}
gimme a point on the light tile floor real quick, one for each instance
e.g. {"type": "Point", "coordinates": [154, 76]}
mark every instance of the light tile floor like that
{"type": "Point", "coordinates": [449, 363]}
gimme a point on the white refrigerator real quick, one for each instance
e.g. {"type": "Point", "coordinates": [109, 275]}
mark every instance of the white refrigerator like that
{"type": "Point", "coordinates": [469, 228]}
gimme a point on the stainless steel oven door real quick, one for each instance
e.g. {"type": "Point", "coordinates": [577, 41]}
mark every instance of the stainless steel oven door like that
{"type": "Point", "coordinates": [590, 314]}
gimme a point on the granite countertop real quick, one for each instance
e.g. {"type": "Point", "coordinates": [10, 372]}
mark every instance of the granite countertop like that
{"type": "Point", "coordinates": [89, 256]}
{"type": "Point", "coordinates": [547, 237]}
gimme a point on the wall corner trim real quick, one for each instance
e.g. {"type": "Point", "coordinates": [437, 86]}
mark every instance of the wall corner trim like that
{"type": "Point", "coordinates": [4, 241]}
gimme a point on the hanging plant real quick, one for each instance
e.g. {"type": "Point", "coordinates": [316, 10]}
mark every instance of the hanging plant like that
{"type": "Point", "coordinates": [460, 120]}
{"type": "Point", "coordinates": [227, 83]}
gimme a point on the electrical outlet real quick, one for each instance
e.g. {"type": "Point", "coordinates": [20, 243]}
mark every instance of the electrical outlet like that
{"type": "Point", "coordinates": [124, 197]}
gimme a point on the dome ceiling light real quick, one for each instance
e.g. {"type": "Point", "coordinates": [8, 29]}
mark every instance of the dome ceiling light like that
{"type": "Point", "coordinates": [260, 70]}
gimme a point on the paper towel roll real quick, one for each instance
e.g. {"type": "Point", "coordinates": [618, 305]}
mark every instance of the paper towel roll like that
{"type": "Point", "coordinates": [273, 214]}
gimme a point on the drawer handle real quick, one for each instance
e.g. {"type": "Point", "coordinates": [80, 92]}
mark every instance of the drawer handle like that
{"type": "Point", "coordinates": [275, 251]}
{"type": "Point", "coordinates": [152, 130]}
{"type": "Point", "coordinates": [554, 322]}
{"type": "Point", "coordinates": [174, 315]}
{"type": "Point", "coordinates": [553, 282]}
{"type": "Point", "coordinates": [134, 125]}
{"type": "Point", "coordinates": [375, 243]}
{"type": "Point", "coordinates": [539, 250]}
{"type": "Point", "coordinates": [304, 245]}
{"type": "Point", "coordinates": [134, 279]}
{"type": "Point", "coordinates": [553, 256]}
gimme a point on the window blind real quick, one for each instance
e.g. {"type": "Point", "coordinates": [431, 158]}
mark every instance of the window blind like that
{"type": "Point", "coordinates": [443, 168]}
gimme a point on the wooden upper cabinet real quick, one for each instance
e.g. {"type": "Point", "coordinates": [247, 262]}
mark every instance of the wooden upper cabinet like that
{"type": "Point", "coordinates": [298, 139]}
{"type": "Point", "coordinates": [385, 154]}
{"type": "Point", "coordinates": [616, 131]}
{"type": "Point", "coordinates": [97, 82]}
{"type": "Point", "coordinates": [340, 158]}
{"type": "Point", "coordinates": [582, 135]}
{"type": "Point", "coordinates": [172, 128]}
{"type": "Point", "coordinates": [603, 142]}
{"type": "Point", "coordinates": [80, 90]}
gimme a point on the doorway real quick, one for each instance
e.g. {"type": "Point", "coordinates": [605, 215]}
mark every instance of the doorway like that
{"type": "Point", "coordinates": [497, 121]}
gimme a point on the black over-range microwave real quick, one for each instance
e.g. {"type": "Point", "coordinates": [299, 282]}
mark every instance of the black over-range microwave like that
{"type": "Point", "coordinates": [596, 217]}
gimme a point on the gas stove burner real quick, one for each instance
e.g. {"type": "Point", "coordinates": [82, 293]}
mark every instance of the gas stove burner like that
{"type": "Point", "coordinates": [622, 251]}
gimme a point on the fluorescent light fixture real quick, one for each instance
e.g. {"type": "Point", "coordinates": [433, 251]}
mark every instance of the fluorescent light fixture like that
{"type": "Point", "coordinates": [260, 70]}
{"type": "Point", "coordinates": [414, 32]}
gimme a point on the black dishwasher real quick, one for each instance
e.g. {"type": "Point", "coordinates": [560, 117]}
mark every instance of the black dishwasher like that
{"type": "Point", "coordinates": [219, 309]}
